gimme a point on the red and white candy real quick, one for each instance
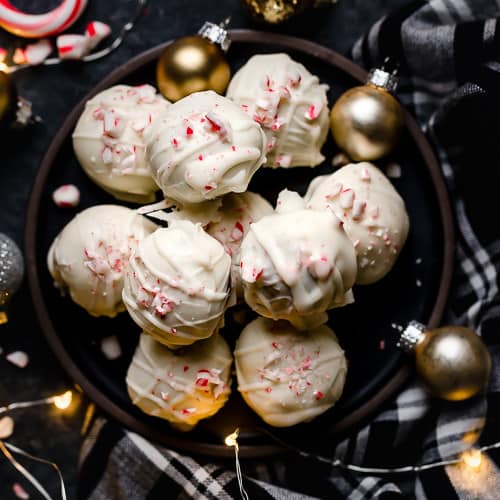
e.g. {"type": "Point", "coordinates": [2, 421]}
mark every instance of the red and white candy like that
{"type": "Point", "coordinates": [40, 25]}
{"type": "Point", "coordinates": [66, 196]}
{"type": "Point", "coordinates": [71, 46]}
{"type": "Point", "coordinates": [96, 32]}
{"type": "Point", "coordinates": [34, 54]}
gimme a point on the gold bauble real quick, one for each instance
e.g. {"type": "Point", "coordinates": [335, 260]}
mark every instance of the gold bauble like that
{"type": "Point", "coordinates": [452, 361]}
{"type": "Point", "coordinates": [276, 11]}
{"type": "Point", "coordinates": [366, 122]}
{"type": "Point", "coordinates": [7, 100]}
{"type": "Point", "coordinates": [191, 64]}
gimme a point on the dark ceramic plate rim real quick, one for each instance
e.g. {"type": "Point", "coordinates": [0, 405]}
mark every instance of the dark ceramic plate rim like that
{"type": "Point", "coordinates": [175, 440]}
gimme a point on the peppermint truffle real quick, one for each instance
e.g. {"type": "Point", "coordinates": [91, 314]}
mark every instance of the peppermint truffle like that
{"type": "Point", "coordinates": [182, 386]}
{"type": "Point", "coordinates": [177, 284]}
{"type": "Point", "coordinates": [237, 213]}
{"type": "Point", "coordinates": [108, 140]}
{"type": "Point", "coordinates": [90, 255]}
{"type": "Point", "coordinates": [289, 103]}
{"type": "Point", "coordinates": [297, 263]}
{"type": "Point", "coordinates": [373, 213]}
{"type": "Point", "coordinates": [204, 146]}
{"type": "Point", "coordinates": [288, 376]}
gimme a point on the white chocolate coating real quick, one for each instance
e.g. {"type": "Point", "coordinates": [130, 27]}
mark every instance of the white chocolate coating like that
{"type": "Point", "coordinates": [288, 376]}
{"type": "Point", "coordinates": [289, 103]}
{"type": "Point", "coordinates": [176, 286]}
{"type": "Point", "coordinates": [373, 213]}
{"type": "Point", "coordinates": [204, 146]}
{"type": "Point", "coordinates": [182, 386]}
{"type": "Point", "coordinates": [297, 264]}
{"type": "Point", "coordinates": [108, 140]}
{"type": "Point", "coordinates": [90, 255]}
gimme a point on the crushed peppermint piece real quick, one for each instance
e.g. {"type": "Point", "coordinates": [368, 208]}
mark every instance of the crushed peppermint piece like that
{"type": "Point", "coordinates": [318, 395]}
{"type": "Point", "coordinates": [164, 396]}
{"type": "Point", "coordinates": [220, 126]}
{"type": "Point", "coordinates": [18, 358]}
{"type": "Point", "coordinates": [6, 427]}
{"type": "Point", "coordinates": [19, 56]}
{"type": "Point", "coordinates": [20, 492]}
{"type": "Point", "coordinates": [393, 170]}
{"type": "Point", "coordinates": [312, 112]}
{"type": "Point", "coordinates": [36, 53]}
{"type": "Point", "coordinates": [189, 131]}
{"type": "Point", "coordinates": [66, 196]}
{"type": "Point", "coordinates": [365, 175]}
{"type": "Point", "coordinates": [358, 209]}
{"type": "Point", "coordinates": [96, 32]}
{"type": "Point", "coordinates": [188, 411]}
{"type": "Point", "coordinates": [70, 46]}
{"type": "Point", "coordinates": [347, 198]}
{"type": "Point", "coordinates": [107, 156]}
{"type": "Point", "coordinates": [111, 348]}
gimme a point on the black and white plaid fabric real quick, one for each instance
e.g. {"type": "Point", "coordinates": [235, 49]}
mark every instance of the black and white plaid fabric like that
{"type": "Point", "coordinates": [449, 55]}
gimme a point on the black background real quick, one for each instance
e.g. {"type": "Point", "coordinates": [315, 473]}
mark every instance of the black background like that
{"type": "Point", "coordinates": [53, 92]}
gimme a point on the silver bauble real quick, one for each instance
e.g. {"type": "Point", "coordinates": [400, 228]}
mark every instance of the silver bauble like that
{"type": "Point", "coordinates": [11, 268]}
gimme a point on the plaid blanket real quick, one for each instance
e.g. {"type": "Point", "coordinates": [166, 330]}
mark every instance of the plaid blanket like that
{"type": "Point", "coordinates": [448, 52]}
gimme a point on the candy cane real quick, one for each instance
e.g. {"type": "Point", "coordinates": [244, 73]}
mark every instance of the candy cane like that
{"type": "Point", "coordinates": [40, 25]}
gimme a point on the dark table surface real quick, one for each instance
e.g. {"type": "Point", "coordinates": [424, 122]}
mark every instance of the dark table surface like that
{"type": "Point", "coordinates": [54, 91]}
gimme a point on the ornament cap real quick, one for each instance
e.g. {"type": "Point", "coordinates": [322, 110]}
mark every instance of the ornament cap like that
{"type": "Point", "coordinates": [24, 113]}
{"type": "Point", "coordinates": [383, 79]}
{"type": "Point", "coordinates": [411, 336]}
{"type": "Point", "coordinates": [217, 33]}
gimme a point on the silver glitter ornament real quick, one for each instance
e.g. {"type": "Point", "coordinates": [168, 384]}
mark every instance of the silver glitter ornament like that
{"type": "Point", "coordinates": [11, 268]}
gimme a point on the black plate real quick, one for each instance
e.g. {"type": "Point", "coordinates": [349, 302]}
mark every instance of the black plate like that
{"type": "Point", "coordinates": [376, 367]}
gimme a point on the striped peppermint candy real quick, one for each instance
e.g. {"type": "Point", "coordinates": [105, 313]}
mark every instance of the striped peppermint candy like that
{"type": "Point", "coordinates": [40, 25]}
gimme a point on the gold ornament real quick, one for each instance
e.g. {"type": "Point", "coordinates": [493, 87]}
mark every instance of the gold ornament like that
{"type": "Point", "coordinates": [7, 100]}
{"type": "Point", "coordinates": [195, 63]}
{"type": "Point", "coordinates": [366, 121]}
{"type": "Point", "coordinates": [451, 361]}
{"type": "Point", "coordinates": [279, 11]}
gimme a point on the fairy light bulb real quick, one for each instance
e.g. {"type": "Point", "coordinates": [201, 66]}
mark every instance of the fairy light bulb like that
{"type": "Point", "coordinates": [232, 439]}
{"type": "Point", "coordinates": [472, 458]}
{"type": "Point", "coordinates": [63, 401]}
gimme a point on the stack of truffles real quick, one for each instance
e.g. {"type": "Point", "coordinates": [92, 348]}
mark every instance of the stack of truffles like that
{"type": "Point", "coordinates": [225, 245]}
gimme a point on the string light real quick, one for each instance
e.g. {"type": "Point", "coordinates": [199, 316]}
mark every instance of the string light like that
{"type": "Point", "coordinates": [61, 402]}
{"type": "Point", "coordinates": [232, 441]}
{"type": "Point", "coordinates": [472, 459]}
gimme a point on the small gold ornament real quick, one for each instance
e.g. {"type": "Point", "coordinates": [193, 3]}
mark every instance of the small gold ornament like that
{"type": "Point", "coordinates": [279, 11]}
{"type": "Point", "coordinates": [451, 361]}
{"type": "Point", "coordinates": [7, 100]}
{"type": "Point", "coordinates": [366, 121]}
{"type": "Point", "coordinates": [195, 63]}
